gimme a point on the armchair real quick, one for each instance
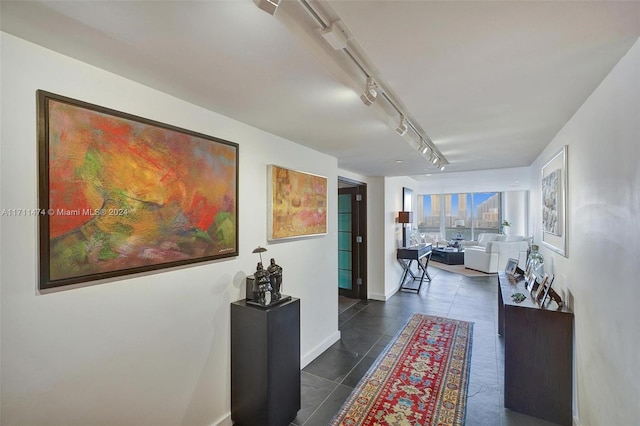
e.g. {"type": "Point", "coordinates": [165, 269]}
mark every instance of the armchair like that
{"type": "Point", "coordinates": [493, 251]}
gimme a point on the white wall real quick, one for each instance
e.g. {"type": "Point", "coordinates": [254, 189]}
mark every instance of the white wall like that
{"type": "Point", "coordinates": [600, 275]}
{"type": "Point", "coordinates": [393, 231]}
{"type": "Point", "coordinates": [151, 349]}
{"type": "Point", "coordinates": [515, 209]}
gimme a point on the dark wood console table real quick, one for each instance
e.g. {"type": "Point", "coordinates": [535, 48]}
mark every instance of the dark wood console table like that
{"type": "Point", "coordinates": [265, 363]}
{"type": "Point", "coordinates": [406, 256]}
{"type": "Point", "coordinates": [538, 354]}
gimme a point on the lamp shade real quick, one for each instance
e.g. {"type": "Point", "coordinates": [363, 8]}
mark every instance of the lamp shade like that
{"type": "Point", "coordinates": [405, 217]}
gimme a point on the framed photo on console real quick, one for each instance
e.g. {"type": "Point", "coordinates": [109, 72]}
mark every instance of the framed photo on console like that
{"type": "Point", "coordinates": [541, 287]}
{"type": "Point", "coordinates": [547, 290]}
{"type": "Point", "coordinates": [512, 264]}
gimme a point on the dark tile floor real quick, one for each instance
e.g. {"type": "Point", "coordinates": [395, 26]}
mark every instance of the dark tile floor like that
{"type": "Point", "coordinates": [367, 326]}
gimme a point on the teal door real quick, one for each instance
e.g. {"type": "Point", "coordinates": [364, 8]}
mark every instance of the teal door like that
{"type": "Point", "coordinates": [351, 281]}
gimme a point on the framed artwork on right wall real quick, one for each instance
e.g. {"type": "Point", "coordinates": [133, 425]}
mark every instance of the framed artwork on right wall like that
{"type": "Point", "coordinates": [554, 202]}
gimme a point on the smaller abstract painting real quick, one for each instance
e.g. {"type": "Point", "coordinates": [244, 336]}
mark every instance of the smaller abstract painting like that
{"type": "Point", "coordinates": [297, 203]}
{"type": "Point", "coordinates": [553, 190]}
{"type": "Point", "coordinates": [120, 194]}
{"type": "Point", "coordinates": [550, 202]}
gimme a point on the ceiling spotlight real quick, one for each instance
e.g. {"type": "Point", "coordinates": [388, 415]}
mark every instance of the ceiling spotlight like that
{"type": "Point", "coordinates": [370, 92]}
{"type": "Point", "coordinates": [434, 159]}
{"type": "Point", "coordinates": [441, 168]}
{"type": "Point", "coordinates": [424, 148]}
{"type": "Point", "coordinates": [402, 127]}
{"type": "Point", "coordinates": [268, 6]}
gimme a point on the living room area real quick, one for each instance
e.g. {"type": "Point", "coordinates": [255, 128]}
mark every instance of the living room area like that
{"type": "Point", "coordinates": [154, 347]}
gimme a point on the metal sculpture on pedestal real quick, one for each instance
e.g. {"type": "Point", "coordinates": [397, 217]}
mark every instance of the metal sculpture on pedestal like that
{"type": "Point", "coordinates": [275, 276]}
{"type": "Point", "coordinates": [264, 287]}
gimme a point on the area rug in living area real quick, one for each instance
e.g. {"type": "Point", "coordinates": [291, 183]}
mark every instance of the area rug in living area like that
{"type": "Point", "coordinates": [420, 378]}
{"type": "Point", "coordinates": [460, 269]}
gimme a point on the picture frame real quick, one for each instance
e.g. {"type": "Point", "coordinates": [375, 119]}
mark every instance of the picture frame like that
{"type": "Point", "coordinates": [510, 268]}
{"type": "Point", "coordinates": [297, 204]}
{"type": "Point", "coordinates": [531, 282]}
{"type": "Point", "coordinates": [121, 194]}
{"type": "Point", "coordinates": [547, 290]}
{"type": "Point", "coordinates": [542, 287]}
{"type": "Point", "coordinates": [554, 187]}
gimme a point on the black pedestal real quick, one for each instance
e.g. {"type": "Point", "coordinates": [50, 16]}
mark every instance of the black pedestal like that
{"type": "Point", "coordinates": [265, 363]}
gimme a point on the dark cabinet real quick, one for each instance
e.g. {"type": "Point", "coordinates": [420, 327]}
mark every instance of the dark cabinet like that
{"type": "Point", "coordinates": [265, 363]}
{"type": "Point", "coordinates": [538, 354]}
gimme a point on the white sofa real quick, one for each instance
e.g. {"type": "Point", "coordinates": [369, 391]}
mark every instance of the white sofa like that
{"type": "Point", "coordinates": [491, 252]}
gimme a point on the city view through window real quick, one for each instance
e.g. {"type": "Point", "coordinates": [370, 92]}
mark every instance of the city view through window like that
{"type": "Point", "coordinates": [465, 214]}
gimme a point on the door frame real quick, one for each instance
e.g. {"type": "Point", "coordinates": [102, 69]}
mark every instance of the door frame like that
{"type": "Point", "coordinates": [358, 229]}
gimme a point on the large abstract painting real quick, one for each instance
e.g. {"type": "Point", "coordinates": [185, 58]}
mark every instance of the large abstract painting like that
{"type": "Point", "coordinates": [554, 202]}
{"type": "Point", "coordinates": [120, 194]}
{"type": "Point", "coordinates": [297, 203]}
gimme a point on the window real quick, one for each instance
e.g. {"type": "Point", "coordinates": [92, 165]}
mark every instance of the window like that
{"type": "Point", "coordinates": [467, 214]}
{"type": "Point", "coordinates": [487, 212]}
{"type": "Point", "coordinates": [428, 214]}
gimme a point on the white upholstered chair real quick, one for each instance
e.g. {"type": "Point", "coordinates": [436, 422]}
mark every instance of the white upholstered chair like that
{"type": "Point", "coordinates": [493, 251]}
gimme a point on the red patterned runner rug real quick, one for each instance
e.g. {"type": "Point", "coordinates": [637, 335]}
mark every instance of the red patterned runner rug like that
{"type": "Point", "coordinates": [421, 378]}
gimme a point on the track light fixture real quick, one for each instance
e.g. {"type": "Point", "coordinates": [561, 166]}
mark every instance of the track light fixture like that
{"type": "Point", "coordinates": [336, 36]}
{"type": "Point", "coordinates": [424, 148]}
{"type": "Point", "coordinates": [268, 6]}
{"type": "Point", "coordinates": [402, 127]}
{"type": "Point", "coordinates": [370, 92]}
{"type": "Point", "coordinates": [441, 168]}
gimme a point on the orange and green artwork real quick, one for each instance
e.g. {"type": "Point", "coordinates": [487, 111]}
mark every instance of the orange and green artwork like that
{"type": "Point", "coordinates": [297, 203]}
{"type": "Point", "coordinates": [121, 194]}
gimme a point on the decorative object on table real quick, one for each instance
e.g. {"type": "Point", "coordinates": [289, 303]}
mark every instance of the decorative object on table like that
{"type": "Point", "coordinates": [297, 204]}
{"type": "Point", "coordinates": [504, 225]}
{"type": "Point", "coordinates": [511, 266]}
{"type": "Point", "coordinates": [536, 261]}
{"type": "Point", "coordinates": [554, 197]}
{"type": "Point", "coordinates": [518, 297]}
{"type": "Point", "coordinates": [275, 276]}
{"type": "Point", "coordinates": [397, 388]}
{"type": "Point", "coordinates": [124, 194]}
{"type": "Point", "coordinates": [263, 288]}
{"type": "Point", "coordinates": [262, 285]}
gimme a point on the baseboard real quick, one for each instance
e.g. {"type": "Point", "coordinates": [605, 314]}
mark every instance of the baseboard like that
{"type": "Point", "coordinates": [323, 346]}
{"type": "Point", "coordinates": [383, 297]}
{"type": "Point", "coordinates": [377, 296]}
{"type": "Point", "coordinates": [224, 421]}
{"type": "Point", "coordinates": [576, 421]}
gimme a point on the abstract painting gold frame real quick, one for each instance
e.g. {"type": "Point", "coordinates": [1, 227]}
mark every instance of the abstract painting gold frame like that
{"type": "Point", "coordinates": [120, 194]}
{"type": "Point", "coordinates": [297, 204]}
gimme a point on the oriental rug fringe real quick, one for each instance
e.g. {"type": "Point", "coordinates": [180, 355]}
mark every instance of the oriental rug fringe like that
{"type": "Point", "coordinates": [420, 378]}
